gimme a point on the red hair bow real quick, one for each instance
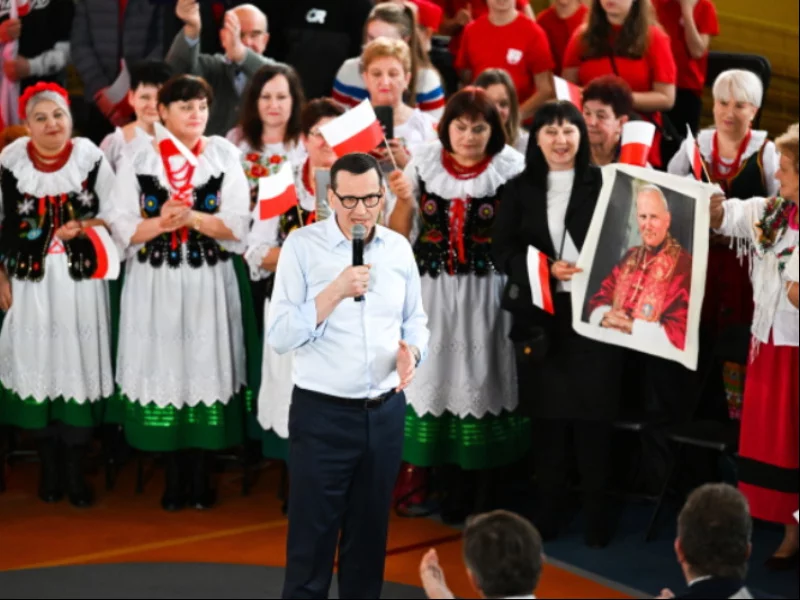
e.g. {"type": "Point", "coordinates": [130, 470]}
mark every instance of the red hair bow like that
{"type": "Point", "coordinates": [38, 88]}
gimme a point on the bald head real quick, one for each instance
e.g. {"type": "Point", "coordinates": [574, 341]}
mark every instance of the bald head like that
{"type": "Point", "coordinates": [653, 216]}
{"type": "Point", "coordinates": [253, 25]}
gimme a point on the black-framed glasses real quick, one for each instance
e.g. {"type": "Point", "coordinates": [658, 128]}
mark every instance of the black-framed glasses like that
{"type": "Point", "coordinates": [350, 202]}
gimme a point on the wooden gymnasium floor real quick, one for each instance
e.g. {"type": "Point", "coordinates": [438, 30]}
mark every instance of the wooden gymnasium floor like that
{"type": "Point", "coordinates": [124, 527]}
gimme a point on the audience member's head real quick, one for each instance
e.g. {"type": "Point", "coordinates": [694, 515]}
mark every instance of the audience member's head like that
{"type": "Point", "coordinates": [633, 17]}
{"type": "Point", "coordinates": [503, 555]}
{"type": "Point", "coordinates": [471, 129]}
{"type": "Point", "coordinates": [388, 71]}
{"type": "Point", "coordinates": [272, 100]}
{"type": "Point", "coordinates": [44, 107]}
{"type": "Point", "coordinates": [315, 114]}
{"type": "Point", "coordinates": [500, 88]}
{"type": "Point", "coordinates": [737, 98]}
{"type": "Point", "coordinates": [714, 532]}
{"type": "Point", "coordinates": [607, 106]}
{"type": "Point", "coordinates": [147, 77]}
{"type": "Point", "coordinates": [788, 173]}
{"type": "Point", "coordinates": [183, 105]}
{"type": "Point", "coordinates": [253, 27]}
{"type": "Point", "coordinates": [558, 141]}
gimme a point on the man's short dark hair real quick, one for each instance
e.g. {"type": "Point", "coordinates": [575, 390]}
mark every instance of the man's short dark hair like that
{"type": "Point", "coordinates": [356, 164]}
{"type": "Point", "coordinates": [714, 530]}
{"type": "Point", "coordinates": [503, 552]}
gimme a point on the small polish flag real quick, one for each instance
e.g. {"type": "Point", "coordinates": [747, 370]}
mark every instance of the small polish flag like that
{"type": "Point", "coordinates": [357, 130]}
{"type": "Point", "coordinates": [276, 193]}
{"type": "Point", "coordinates": [172, 148]}
{"type": "Point", "coordinates": [637, 137]}
{"type": "Point", "coordinates": [539, 277]}
{"type": "Point", "coordinates": [108, 263]}
{"type": "Point", "coordinates": [566, 90]}
{"type": "Point", "coordinates": [695, 158]}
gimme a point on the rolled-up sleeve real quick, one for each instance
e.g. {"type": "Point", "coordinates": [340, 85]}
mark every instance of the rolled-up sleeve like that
{"type": "Point", "coordinates": [415, 330]}
{"type": "Point", "coordinates": [292, 320]}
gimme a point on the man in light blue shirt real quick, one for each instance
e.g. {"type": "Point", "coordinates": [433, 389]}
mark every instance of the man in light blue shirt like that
{"type": "Point", "coordinates": [352, 360]}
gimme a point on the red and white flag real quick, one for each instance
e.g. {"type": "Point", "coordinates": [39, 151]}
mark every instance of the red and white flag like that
{"type": "Point", "coordinates": [172, 148]}
{"type": "Point", "coordinates": [108, 263]}
{"type": "Point", "coordinates": [695, 158]}
{"type": "Point", "coordinates": [637, 138]}
{"type": "Point", "coordinates": [539, 277]}
{"type": "Point", "coordinates": [276, 193]}
{"type": "Point", "coordinates": [357, 130]}
{"type": "Point", "coordinates": [566, 90]}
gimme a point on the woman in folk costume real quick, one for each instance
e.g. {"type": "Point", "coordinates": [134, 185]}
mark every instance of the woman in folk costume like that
{"type": "Point", "coordinates": [55, 355]}
{"type": "Point", "coordinates": [268, 135]}
{"type": "Point", "coordinates": [147, 77]}
{"type": "Point", "coordinates": [269, 129]}
{"type": "Point", "coordinates": [461, 405]}
{"type": "Point", "coordinates": [264, 247]}
{"type": "Point", "coordinates": [181, 358]}
{"type": "Point", "coordinates": [742, 161]}
{"type": "Point", "coordinates": [766, 229]}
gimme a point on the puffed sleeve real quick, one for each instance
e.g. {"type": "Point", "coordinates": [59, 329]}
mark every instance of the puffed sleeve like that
{"type": "Point", "coordinates": [234, 209]}
{"type": "Point", "coordinates": [125, 212]}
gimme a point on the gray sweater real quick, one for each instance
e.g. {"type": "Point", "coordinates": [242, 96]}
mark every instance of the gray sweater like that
{"type": "Point", "coordinates": [96, 42]}
{"type": "Point", "coordinates": [220, 74]}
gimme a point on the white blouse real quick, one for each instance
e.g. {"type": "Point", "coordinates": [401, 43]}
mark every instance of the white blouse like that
{"type": "Point", "coordinates": [679, 165]}
{"type": "Point", "coordinates": [114, 144]}
{"type": "Point", "coordinates": [559, 190]}
{"type": "Point", "coordinates": [773, 311]}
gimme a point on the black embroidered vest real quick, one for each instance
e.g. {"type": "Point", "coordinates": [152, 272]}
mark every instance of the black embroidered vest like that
{"type": "Point", "coordinates": [291, 220]}
{"type": "Point", "coordinates": [168, 247]}
{"type": "Point", "coordinates": [750, 180]}
{"type": "Point", "coordinates": [465, 253]}
{"type": "Point", "coordinates": [29, 224]}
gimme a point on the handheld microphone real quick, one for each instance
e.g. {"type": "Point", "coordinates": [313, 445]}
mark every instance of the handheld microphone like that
{"type": "Point", "coordinates": [358, 233]}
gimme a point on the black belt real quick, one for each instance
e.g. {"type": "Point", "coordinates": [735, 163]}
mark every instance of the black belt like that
{"type": "Point", "coordinates": [364, 403]}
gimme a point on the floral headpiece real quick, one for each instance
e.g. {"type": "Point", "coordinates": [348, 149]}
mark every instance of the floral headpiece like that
{"type": "Point", "coordinates": [56, 93]}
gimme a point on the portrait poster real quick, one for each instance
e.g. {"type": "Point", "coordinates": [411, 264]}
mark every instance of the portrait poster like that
{"type": "Point", "coordinates": [644, 264]}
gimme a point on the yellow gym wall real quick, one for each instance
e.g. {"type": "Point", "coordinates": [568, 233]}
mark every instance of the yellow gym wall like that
{"type": "Point", "coordinates": [765, 27]}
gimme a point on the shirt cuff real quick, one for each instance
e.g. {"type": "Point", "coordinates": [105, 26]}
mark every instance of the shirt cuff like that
{"type": "Point", "coordinates": [191, 42]}
{"type": "Point", "coordinates": [308, 312]}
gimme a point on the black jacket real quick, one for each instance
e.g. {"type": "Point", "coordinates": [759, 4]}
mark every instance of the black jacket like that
{"type": "Point", "coordinates": [719, 588]}
{"type": "Point", "coordinates": [522, 221]}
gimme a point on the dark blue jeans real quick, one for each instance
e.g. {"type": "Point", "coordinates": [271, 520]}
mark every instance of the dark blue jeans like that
{"type": "Point", "coordinates": [343, 464]}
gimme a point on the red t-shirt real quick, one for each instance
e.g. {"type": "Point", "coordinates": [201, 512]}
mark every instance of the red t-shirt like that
{"type": "Point", "coordinates": [691, 71]}
{"type": "Point", "coordinates": [559, 31]}
{"type": "Point", "coordinates": [521, 48]}
{"type": "Point", "coordinates": [479, 8]}
{"type": "Point", "coordinates": [656, 66]}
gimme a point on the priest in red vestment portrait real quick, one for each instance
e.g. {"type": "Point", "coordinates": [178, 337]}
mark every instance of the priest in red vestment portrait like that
{"type": "Point", "coordinates": [647, 293]}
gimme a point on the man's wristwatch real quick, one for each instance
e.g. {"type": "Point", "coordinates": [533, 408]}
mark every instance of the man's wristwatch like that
{"type": "Point", "coordinates": [417, 356]}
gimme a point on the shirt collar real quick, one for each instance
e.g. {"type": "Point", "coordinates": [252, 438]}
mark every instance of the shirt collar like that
{"type": "Point", "coordinates": [336, 237]}
{"type": "Point", "coordinates": [699, 579]}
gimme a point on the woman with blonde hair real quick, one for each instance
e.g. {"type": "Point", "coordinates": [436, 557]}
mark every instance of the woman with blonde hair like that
{"type": "Point", "coordinates": [501, 90]}
{"type": "Point", "coordinates": [387, 71]}
{"type": "Point", "coordinates": [397, 22]}
{"type": "Point", "coordinates": [766, 230]}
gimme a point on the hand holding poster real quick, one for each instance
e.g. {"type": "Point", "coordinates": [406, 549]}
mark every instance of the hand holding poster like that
{"type": "Point", "coordinates": [644, 264]}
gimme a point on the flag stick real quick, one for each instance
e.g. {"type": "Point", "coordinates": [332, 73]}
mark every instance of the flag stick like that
{"type": "Point", "coordinates": [703, 162]}
{"type": "Point", "coordinates": [394, 162]}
